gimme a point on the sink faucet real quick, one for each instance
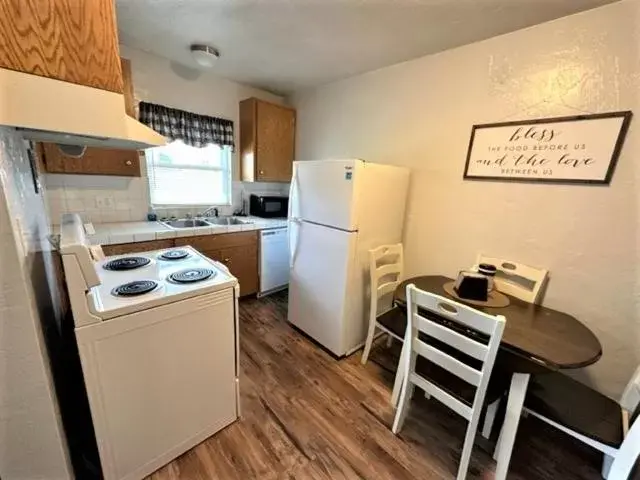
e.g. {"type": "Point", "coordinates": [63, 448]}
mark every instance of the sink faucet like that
{"type": "Point", "coordinates": [210, 210]}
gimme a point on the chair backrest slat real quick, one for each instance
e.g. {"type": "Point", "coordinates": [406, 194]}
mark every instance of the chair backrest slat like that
{"type": "Point", "coordinates": [386, 289]}
{"type": "Point", "coordinates": [456, 311]}
{"type": "Point", "coordinates": [517, 279]}
{"type": "Point", "coordinates": [439, 394]}
{"type": "Point", "coordinates": [388, 269]}
{"type": "Point", "coordinates": [446, 361]}
{"type": "Point", "coordinates": [460, 342]}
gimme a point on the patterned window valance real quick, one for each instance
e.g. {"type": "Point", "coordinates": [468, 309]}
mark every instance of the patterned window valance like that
{"type": "Point", "coordinates": [193, 129]}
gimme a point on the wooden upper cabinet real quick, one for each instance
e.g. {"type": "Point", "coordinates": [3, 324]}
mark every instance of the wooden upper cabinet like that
{"type": "Point", "coordinates": [71, 40]}
{"type": "Point", "coordinates": [98, 161]}
{"type": "Point", "coordinates": [94, 161]}
{"type": "Point", "coordinates": [267, 141]}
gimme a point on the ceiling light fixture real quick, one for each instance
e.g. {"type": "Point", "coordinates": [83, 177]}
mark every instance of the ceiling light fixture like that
{"type": "Point", "coordinates": [204, 55]}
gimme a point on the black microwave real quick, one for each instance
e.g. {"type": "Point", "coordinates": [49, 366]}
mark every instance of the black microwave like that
{"type": "Point", "coordinates": [268, 206]}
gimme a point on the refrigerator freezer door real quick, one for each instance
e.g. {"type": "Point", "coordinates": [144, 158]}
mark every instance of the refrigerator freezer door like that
{"type": "Point", "coordinates": [324, 192]}
{"type": "Point", "coordinates": [319, 284]}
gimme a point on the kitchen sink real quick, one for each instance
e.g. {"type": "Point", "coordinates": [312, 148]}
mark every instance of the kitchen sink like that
{"type": "Point", "coordinates": [226, 221]}
{"type": "Point", "coordinates": [188, 223]}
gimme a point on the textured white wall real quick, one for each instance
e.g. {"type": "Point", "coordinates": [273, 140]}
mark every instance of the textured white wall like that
{"type": "Point", "coordinates": [31, 436]}
{"type": "Point", "coordinates": [101, 198]}
{"type": "Point", "coordinates": [419, 114]}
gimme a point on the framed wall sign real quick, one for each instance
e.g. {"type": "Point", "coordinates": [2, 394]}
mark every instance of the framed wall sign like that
{"type": "Point", "coordinates": [578, 149]}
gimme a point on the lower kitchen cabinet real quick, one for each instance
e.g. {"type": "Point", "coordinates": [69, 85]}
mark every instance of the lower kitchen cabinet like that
{"type": "Point", "coordinates": [136, 247]}
{"type": "Point", "coordinates": [242, 262]}
{"type": "Point", "coordinates": [238, 251]}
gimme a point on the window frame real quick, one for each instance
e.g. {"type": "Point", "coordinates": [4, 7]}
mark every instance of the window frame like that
{"type": "Point", "coordinates": [151, 155]}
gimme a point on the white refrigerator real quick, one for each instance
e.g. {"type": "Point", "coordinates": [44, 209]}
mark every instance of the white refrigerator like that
{"type": "Point", "coordinates": [338, 211]}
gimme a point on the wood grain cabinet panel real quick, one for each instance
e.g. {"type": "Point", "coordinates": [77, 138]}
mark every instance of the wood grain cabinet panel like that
{"type": "Point", "coordinates": [243, 264]}
{"type": "Point", "coordinates": [95, 161]}
{"type": "Point", "coordinates": [216, 242]}
{"type": "Point", "coordinates": [98, 161]}
{"type": "Point", "coordinates": [137, 247]}
{"type": "Point", "coordinates": [267, 141]}
{"type": "Point", "coordinates": [71, 40]}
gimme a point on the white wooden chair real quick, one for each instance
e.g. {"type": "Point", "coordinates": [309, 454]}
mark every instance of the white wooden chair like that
{"type": "Point", "coordinates": [517, 279]}
{"type": "Point", "coordinates": [589, 416]}
{"type": "Point", "coordinates": [386, 269]}
{"type": "Point", "coordinates": [414, 347]}
{"type": "Point", "coordinates": [520, 281]}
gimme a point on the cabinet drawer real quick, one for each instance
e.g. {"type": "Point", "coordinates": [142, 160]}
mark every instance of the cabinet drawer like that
{"type": "Point", "coordinates": [136, 247]}
{"type": "Point", "coordinates": [216, 242]}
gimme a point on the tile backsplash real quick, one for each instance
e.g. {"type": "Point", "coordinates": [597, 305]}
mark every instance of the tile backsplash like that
{"type": "Point", "coordinates": [103, 199]}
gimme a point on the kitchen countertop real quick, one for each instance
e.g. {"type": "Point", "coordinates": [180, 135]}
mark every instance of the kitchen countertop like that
{"type": "Point", "coordinates": [128, 232]}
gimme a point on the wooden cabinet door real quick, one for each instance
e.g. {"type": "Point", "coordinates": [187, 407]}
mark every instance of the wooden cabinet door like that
{"type": "Point", "coordinates": [267, 141]}
{"type": "Point", "coordinates": [137, 247]}
{"type": "Point", "coordinates": [213, 255]}
{"type": "Point", "coordinates": [243, 264]}
{"type": "Point", "coordinates": [71, 40]}
{"type": "Point", "coordinates": [95, 161]}
{"type": "Point", "coordinates": [275, 142]}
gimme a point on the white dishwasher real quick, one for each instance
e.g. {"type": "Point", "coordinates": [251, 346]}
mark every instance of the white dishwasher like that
{"type": "Point", "coordinates": [274, 260]}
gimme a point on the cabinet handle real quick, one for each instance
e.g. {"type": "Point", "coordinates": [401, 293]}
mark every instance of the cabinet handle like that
{"type": "Point", "coordinates": [128, 163]}
{"type": "Point", "coordinates": [261, 172]}
{"type": "Point", "coordinates": [226, 260]}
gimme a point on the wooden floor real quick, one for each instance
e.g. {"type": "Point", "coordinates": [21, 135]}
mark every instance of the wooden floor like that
{"type": "Point", "coordinates": [307, 415]}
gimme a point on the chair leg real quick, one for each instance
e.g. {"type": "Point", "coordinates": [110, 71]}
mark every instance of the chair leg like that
{"type": "Point", "coordinates": [389, 341]}
{"type": "Point", "coordinates": [368, 342]}
{"type": "Point", "coordinates": [469, 440]}
{"type": "Point", "coordinates": [403, 407]}
{"type": "Point", "coordinates": [504, 448]}
{"type": "Point", "coordinates": [397, 384]}
{"type": "Point", "coordinates": [489, 418]}
{"type": "Point", "coordinates": [607, 461]}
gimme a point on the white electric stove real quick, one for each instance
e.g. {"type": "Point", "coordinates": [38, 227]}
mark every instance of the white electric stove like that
{"type": "Point", "coordinates": [157, 334]}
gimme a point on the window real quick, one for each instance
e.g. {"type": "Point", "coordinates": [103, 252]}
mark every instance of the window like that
{"type": "Point", "coordinates": [183, 175]}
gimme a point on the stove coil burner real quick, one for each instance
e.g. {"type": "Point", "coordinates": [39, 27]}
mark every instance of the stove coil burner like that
{"type": "Point", "coordinates": [126, 263]}
{"type": "Point", "coordinates": [135, 288]}
{"type": "Point", "coordinates": [191, 275]}
{"type": "Point", "coordinates": [174, 254]}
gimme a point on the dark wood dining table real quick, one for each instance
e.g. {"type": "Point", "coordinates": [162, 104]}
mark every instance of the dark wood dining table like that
{"type": "Point", "coordinates": [536, 340]}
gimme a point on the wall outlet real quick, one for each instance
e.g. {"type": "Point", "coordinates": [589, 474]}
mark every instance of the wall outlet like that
{"type": "Point", "coordinates": [105, 202]}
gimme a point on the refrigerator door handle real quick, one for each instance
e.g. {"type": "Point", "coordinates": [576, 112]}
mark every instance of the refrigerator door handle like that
{"type": "Point", "coordinates": [293, 190]}
{"type": "Point", "coordinates": [293, 246]}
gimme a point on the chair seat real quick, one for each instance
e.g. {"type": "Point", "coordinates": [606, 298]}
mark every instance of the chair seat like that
{"type": "Point", "coordinates": [576, 406]}
{"type": "Point", "coordinates": [395, 320]}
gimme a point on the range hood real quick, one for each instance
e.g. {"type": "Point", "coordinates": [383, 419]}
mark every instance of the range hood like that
{"type": "Point", "coordinates": [49, 110]}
